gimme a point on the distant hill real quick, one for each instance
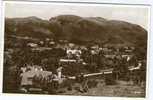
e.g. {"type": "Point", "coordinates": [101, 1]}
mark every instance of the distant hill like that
{"type": "Point", "coordinates": [29, 26]}
{"type": "Point", "coordinates": [77, 29]}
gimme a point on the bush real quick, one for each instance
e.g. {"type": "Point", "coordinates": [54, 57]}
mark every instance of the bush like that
{"type": "Point", "coordinates": [109, 80]}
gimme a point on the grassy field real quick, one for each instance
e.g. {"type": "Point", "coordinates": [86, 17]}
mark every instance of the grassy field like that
{"type": "Point", "coordinates": [121, 89]}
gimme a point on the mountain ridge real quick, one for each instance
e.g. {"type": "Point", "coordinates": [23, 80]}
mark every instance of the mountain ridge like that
{"type": "Point", "coordinates": [79, 29]}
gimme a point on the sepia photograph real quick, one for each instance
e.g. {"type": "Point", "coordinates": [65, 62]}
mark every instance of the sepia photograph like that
{"type": "Point", "coordinates": [76, 49]}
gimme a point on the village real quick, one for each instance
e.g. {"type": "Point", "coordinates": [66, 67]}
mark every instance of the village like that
{"type": "Point", "coordinates": [48, 65]}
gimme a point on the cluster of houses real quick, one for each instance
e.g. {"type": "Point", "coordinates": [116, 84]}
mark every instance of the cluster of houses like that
{"type": "Point", "coordinates": [74, 51]}
{"type": "Point", "coordinates": [14, 54]}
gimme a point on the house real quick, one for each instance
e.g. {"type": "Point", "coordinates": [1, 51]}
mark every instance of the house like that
{"type": "Point", "coordinates": [27, 77]}
{"type": "Point", "coordinates": [73, 52]}
{"type": "Point", "coordinates": [67, 60]}
{"type": "Point", "coordinates": [33, 45]}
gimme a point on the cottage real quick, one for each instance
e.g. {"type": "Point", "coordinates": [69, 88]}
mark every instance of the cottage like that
{"type": "Point", "coordinates": [27, 77]}
{"type": "Point", "coordinates": [33, 45]}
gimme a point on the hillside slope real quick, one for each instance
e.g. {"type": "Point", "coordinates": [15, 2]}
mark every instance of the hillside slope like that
{"type": "Point", "coordinates": [79, 30]}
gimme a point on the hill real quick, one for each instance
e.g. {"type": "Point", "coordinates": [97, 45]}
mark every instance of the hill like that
{"type": "Point", "coordinates": [80, 30]}
{"type": "Point", "coordinates": [29, 26]}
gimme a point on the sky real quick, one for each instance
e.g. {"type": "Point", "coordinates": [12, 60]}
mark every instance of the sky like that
{"type": "Point", "coordinates": [133, 14]}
